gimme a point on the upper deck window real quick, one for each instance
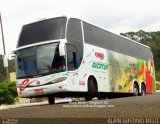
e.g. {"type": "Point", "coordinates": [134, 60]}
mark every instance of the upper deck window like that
{"type": "Point", "coordinates": [44, 30]}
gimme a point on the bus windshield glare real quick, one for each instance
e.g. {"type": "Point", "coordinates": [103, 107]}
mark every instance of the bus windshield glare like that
{"type": "Point", "coordinates": [39, 60]}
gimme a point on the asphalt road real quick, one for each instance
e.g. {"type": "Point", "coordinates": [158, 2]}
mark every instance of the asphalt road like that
{"type": "Point", "coordinates": [127, 107]}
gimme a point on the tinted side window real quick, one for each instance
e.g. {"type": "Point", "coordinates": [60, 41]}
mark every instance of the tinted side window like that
{"type": "Point", "coordinates": [74, 30]}
{"type": "Point", "coordinates": [102, 38]}
{"type": "Point", "coordinates": [124, 46]}
{"type": "Point", "coordinates": [99, 37]}
{"type": "Point", "coordinates": [148, 53]}
{"type": "Point", "coordinates": [139, 51]}
{"type": "Point", "coordinates": [132, 49]}
{"type": "Point", "coordinates": [74, 37]}
{"type": "Point", "coordinates": [95, 36]}
{"type": "Point", "coordinates": [71, 57]}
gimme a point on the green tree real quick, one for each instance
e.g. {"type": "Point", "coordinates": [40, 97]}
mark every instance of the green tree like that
{"type": "Point", "coordinates": [7, 92]}
{"type": "Point", "coordinates": [11, 68]}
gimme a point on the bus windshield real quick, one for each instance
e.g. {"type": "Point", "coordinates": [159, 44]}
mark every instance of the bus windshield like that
{"type": "Point", "coordinates": [41, 31]}
{"type": "Point", "coordinates": [39, 60]}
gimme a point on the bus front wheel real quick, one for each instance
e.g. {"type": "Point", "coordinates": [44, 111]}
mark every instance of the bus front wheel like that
{"type": "Point", "coordinates": [51, 100]}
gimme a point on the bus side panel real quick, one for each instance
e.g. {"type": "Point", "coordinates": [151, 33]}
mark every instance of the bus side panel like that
{"type": "Point", "coordinates": [115, 72]}
{"type": "Point", "coordinates": [95, 63]}
{"type": "Point", "coordinates": [150, 77]}
{"type": "Point", "coordinates": [122, 71]}
{"type": "Point", "coordinates": [146, 74]}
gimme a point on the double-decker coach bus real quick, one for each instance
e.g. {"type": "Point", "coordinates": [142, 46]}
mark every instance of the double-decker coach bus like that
{"type": "Point", "coordinates": [62, 56]}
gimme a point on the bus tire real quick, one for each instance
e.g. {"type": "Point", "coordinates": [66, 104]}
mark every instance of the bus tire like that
{"type": "Point", "coordinates": [143, 90]}
{"type": "Point", "coordinates": [90, 92]}
{"type": "Point", "coordinates": [135, 90]}
{"type": "Point", "coordinates": [51, 100]}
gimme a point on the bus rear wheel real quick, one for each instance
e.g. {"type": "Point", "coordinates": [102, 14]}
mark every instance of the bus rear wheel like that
{"type": "Point", "coordinates": [91, 89]}
{"type": "Point", "coordinates": [143, 90]}
{"type": "Point", "coordinates": [135, 90]}
{"type": "Point", "coordinates": [51, 100]}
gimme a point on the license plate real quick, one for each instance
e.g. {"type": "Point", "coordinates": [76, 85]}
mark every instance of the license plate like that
{"type": "Point", "coordinates": [38, 91]}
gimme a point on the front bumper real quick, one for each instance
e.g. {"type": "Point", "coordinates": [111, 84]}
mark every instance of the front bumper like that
{"type": "Point", "coordinates": [43, 90]}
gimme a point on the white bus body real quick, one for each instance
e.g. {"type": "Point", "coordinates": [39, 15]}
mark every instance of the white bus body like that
{"type": "Point", "coordinates": [94, 61]}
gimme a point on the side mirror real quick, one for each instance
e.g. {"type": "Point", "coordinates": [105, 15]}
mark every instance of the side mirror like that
{"type": "Point", "coordinates": [5, 61]}
{"type": "Point", "coordinates": [12, 56]}
{"type": "Point", "coordinates": [62, 51]}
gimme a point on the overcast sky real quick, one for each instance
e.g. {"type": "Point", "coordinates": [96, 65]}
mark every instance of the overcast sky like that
{"type": "Point", "coordinates": [113, 15]}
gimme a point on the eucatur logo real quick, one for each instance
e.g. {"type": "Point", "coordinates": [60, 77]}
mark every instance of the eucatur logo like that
{"type": "Point", "coordinates": [99, 55]}
{"type": "Point", "coordinates": [98, 65]}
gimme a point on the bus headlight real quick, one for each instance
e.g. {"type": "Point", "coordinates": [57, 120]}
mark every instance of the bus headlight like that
{"type": "Point", "coordinates": [58, 80]}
